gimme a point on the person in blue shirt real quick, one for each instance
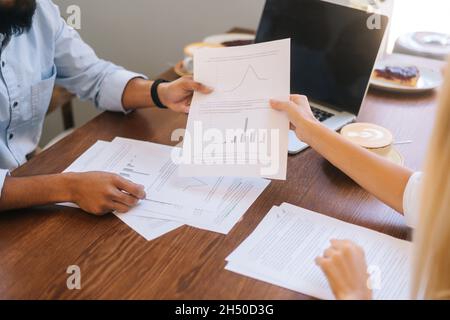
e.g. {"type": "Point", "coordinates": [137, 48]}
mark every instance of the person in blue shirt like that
{"type": "Point", "coordinates": [38, 50]}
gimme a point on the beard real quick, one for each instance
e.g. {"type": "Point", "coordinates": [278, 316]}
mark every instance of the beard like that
{"type": "Point", "coordinates": [16, 16]}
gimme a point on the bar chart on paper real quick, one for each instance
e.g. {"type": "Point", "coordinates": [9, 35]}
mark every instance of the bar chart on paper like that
{"type": "Point", "coordinates": [130, 170]}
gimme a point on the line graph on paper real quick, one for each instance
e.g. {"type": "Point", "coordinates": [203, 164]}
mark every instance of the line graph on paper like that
{"type": "Point", "coordinates": [242, 79]}
{"type": "Point", "coordinates": [249, 72]}
{"type": "Point", "coordinates": [243, 87]}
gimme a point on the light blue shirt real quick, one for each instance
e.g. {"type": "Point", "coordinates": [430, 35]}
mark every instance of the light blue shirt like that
{"type": "Point", "coordinates": [30, 65]}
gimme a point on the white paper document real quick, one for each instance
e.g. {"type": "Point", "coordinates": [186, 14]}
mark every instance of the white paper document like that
{"type": "Point", "coordinates": [214, 204]}
{"type": "Point", "coordinates": [148, 228]}
{"type": "Point", "coordinates": [283, 248]}
{"type": "Point", "coordinates": [233, 131]}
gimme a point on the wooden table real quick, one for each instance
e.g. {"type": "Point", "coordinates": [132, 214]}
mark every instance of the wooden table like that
{"type": "Point", "coordinates": [37, 245]}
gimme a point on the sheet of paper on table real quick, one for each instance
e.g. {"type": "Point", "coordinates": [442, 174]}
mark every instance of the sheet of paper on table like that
{"type": "Point", "coordinates": [283, 248]}
{"type": "Point", "coordinates": [148, 228]}
{"type": "Point", "coordinates": [214, 204]}
{"type": "Point", "coordinates": [233, 130]}
{"type": "Point", "coordinates": [211, 203]}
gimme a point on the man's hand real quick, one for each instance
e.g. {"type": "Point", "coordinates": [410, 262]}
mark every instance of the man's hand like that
{"type": "Point", "coordinates": [299, 113]}
{"type": "Point", "coordinates": [344, 265]}
{"type": "Point", "coordinates": [177, 95]}
{"type": "Point", "coordinates": [100, 193]}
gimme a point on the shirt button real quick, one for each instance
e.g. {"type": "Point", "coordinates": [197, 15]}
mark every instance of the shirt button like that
{"type": "Point", "coordinates": [15, 104]}
{"type": "Point", "coordinates": [11, 136]}
{"type": "Point", "coordinates": [3, 64]}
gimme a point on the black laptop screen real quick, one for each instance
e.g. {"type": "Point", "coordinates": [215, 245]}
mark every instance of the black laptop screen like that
{"type": "Point", "coordinates": [333, 49]}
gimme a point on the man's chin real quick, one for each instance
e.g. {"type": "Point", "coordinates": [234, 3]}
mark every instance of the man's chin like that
{"type": "Point", "coordinates": [17, 18]}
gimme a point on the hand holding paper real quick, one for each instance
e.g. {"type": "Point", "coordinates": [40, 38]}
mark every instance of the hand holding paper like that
{"type": "Point", "coordinates": [234, 130]}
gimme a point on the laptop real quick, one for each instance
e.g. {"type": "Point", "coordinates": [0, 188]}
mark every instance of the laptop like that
{"type": "Point", "coordinates": [334, 50]}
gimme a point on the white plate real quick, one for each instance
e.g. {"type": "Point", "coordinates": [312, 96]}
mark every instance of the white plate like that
{"type": "Point", "coordinates": [429, 79]}
{"type": "Point", "coordinates": [221, 38]}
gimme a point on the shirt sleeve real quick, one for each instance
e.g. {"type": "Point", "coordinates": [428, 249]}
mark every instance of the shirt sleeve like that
{"type": "Point", "coordinates": [411, 200]}
{"type": "Point", "coordinates": [3, 175]}
{"type": "Point", "coordinates": [80, 71]}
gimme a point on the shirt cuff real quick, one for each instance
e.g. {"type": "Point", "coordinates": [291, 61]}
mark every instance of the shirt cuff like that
{"type": "Point", "coordinates": [112, 89]}
{"type": "Point", "coordinates": [3, 175]}
{"type": "Point", "coordinates": [411, 200]}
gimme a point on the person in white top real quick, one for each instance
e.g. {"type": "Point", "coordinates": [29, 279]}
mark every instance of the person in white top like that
{"type": "Point", "coordinates": [424, 200]}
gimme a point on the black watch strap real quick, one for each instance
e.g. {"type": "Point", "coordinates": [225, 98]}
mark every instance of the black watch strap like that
{"type": "Point", "coordinates": [154, 93]}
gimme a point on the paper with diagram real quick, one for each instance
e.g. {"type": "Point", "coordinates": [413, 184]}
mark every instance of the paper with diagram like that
{"type": "Point", "coordinates": [209, 203]}
{"type": "Point", "coordinates": [233, 131]}
{"type": "Point", "coordinates": [149, 228]}
{"type": "Point", "coordinates": [283, 248]}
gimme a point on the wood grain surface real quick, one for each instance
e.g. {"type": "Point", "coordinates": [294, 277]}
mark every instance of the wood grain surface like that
{"type": "Point", "coordinates": [37, 245]}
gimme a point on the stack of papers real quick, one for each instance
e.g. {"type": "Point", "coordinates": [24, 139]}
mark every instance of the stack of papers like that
{"type": "Point", "coordinates": [214, 204]}
{"type": "Point", "coordinates": [282, 251]}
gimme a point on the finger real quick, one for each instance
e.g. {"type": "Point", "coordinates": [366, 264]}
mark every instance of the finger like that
{"type": "Point", "coordinates": [198, 87]}
{"type": "Point", "coordinates": [134, 189]}
{"type": "Point", "coordinates": [289, 107]}
{"type": "Point", "coordinates": [100, 212]}
{"type": "Point", "coordinates": [339, 261]}
{"type": "Point", "coordinates": [125, 199]}
{"type": "Point", "coordinates": [179, 108]}
{"type": "Point", "coordinates": [104, 209]}
{"type": "Point", "coordinates": [120, 207]}
{"type": "Point", "coordinates": [338, 244]}
{"type": "Point", "coordinates": [319, 261]}
{"type": "Point", "coordinates": [330, 252]}
{"type": "Point", "coordinates": [280, 105]}
{"type": "Point", "coordinates": [298, 99]}
{"type": "Point", "coordinates": [332, 270]}
{"type": "Point", "coordinates": [333, 276]}
{"type": "Point", "coordinates": [326, 266]}
{"type": "Point", "coordinates": [188, 101]}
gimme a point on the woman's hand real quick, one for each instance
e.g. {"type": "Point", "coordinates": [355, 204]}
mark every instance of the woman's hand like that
{"type": "Point", "coordinates": [100, 193]}
{"type": "Point", "coordinates": [177, 95]}
{"type": "Point", "coordinates": [299, 113]}
{"type": "Point", "coordinates": [345, 267]}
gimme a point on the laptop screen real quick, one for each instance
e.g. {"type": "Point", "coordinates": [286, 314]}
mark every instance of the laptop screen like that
{"type": "Point", "coordinates": [333, 48]}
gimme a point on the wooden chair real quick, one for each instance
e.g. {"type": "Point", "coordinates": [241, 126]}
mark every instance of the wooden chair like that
{"type": "Point", "coordinates": [61, 99]}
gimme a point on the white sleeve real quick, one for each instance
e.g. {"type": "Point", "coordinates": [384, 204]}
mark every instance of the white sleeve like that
{"type": "Point", "coordinates": [411, 200]}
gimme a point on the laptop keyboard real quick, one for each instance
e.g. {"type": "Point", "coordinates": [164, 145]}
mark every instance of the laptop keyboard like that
{"type": "Point", "coordinates": [321, 115]}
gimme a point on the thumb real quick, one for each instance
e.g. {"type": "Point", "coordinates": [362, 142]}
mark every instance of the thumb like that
{"type": "Point", "coordinates": [197, 86]}
{"type": "Point", "coordinates": [281, 105]}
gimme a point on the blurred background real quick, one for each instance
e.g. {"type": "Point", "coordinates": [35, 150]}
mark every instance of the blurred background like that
{"type": "Point", "coordinates": [148, 36]}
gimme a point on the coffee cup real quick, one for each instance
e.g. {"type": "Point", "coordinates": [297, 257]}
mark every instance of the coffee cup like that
{"type": "Point", "coordinates": [376, 139]}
